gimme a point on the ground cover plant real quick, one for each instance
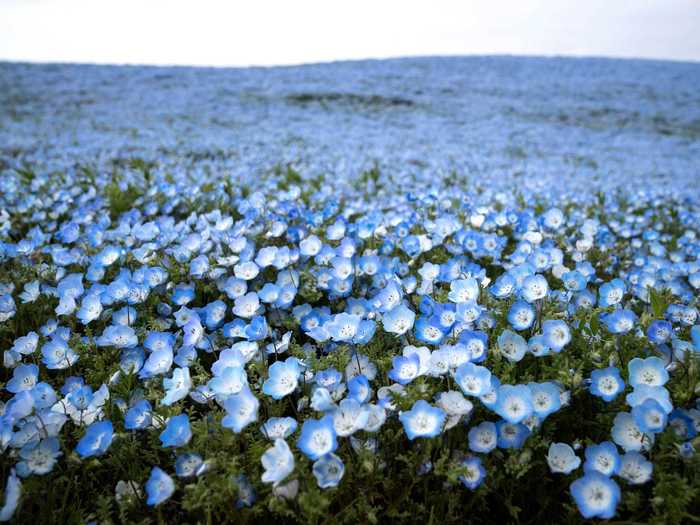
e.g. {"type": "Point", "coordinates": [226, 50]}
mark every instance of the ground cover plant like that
{"type": "Point", "coordinates": [203, 336]}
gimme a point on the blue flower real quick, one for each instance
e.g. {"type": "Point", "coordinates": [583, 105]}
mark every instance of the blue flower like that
{"type": "Point", "coordinates": [659, 331]}
{"type": "Point", "coordinates": [189, 464]}
{"type": "Point", "coordinates": [650, 416]}
{"type": "Point", "coordinates": [635, 468]}
{"type": "Point", "coordinates": [13, 491]}
{"type": "Point", "coordinates": [474, 380]}
{"type": "Point", "coordinates": [596, 495]}
{"type": "Point", "coordinates": [561, 458]}
{"type": "Point", "coordinates": [521, 315]}
{"type": "Point", "coordinates": [279, 427]}
{"type": "Point", "coordinates": [603, 458]}
{"type": "Point", "coordinates": [649, 372]}
{"type": "Point", "coordinates": [423, 420]}
{"type": "Point", "coordinates": [38, 457]}
{"type": "Point", "coordinates": [159, 487]}
{"type": "Point", "coordinates": [556, 334]}
{"type": "Point", "coordinates": [398, 320]}
{"type": "Point", "coordinates": [177, 387]}
{"type": "Point", "coordinates": [512, 345]}
{"type": "Point", "coordinates": [241, 410]}
{"type": "Point", "coordinates": [534, 287]}
{"type": "Point", "coordinates": [620, 321]}
{"type": "Point", "coordinates": [317, 438]}
{"type": "Point", "coordinates": [511, 435]}
{"type": "Point", "coordinates": [278, 462]}
{"type": "Point", "coordinates": [97, 439]}
{"type": "Point", "coordinates": [282, 378]}
{"type": "Point", "coordinates": [546, 398]}
{"type": "Point", "coordinates": [514, 403]}
{"type": "Point", "coordinates": [177, 432]}
{"type": "Point", "coordinates": [138, 416]}
{"type": "Point", "coordinates": [405, 368]}
{"type": "Point", "coordinates": [606, 383]}
{"type": "Point", "coordinates": [328, 471]}
{"type": "Point", "coordinates": [483, 437]}
{"type": "Point", "coordinates": [474, 474]}
{"type": "Point", "coordinates": [24, 377]}
{"type": "Point", "coordinates": [611, 293]}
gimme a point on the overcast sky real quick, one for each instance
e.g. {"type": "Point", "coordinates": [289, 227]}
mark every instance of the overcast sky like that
{"type": "Point", "coordinates": [265, 32]}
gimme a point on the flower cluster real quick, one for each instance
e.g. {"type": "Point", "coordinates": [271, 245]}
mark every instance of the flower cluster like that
{"type": "Point", "coordinates": [287, 338]}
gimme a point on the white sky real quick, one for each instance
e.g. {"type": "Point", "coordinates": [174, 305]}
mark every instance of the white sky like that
{"type": "Point", "coordinates": [266, 32]}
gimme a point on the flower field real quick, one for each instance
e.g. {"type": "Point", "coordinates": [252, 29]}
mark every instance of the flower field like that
{"type": "Point", "coordinates": [422, 290]}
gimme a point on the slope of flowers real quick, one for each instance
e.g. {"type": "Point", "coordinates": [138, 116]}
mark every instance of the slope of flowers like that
{"type": "Point", "coordinates": [183, 344]}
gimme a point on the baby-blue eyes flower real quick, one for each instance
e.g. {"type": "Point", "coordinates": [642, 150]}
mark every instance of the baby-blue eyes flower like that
{"type": "Point", "coordinates": [398, 320]}
{"type": "Point", "coordinates": [659, 332]}
{"type": "Point", "coordinates": [474, 380]}
{"type": "Point", "coordinates": [514, 403]}
{"type": "Point", "coordinates": [405, 368]}
{"type": "Point", "coordinates": [574, 281]}
{"type": "Point", "coordinates": [474, 472]}
{"type": "Point", "coordinates": [611, 293]}
{"type": "Point", "coordinates": [463, 290]}
{"type": "Point", "coordinates": [635, 468]}
{"type": "Point", "coordinates": [603, 458]}
{"type": "Point", "coordinates": [561, 458]}
{"type": "Point", "coordinates": [627, 434]}
{"type": "Point", "coordinates": [643, 392]}
{"type": "Point", "coordinates": [511, 435]}
{"type": "Point", "coordinates": [649, 372]}
{"type": "Point", "coordinates": [483, 437]}
{"type": "Point", "coordinates": [596, 495]}
{"type": "Point", "coordinates": [521, 315]}
{"type": "Point", "coordinates": [177, 432]}
{"type": "Point", "coordinates": [97, 439]}
{"type": "Point", "coordinates": [620, 321]}
{"type": "Point", "coordinates": [512, 346]}
{"type": "Point", "coordinates": [38, 457]}
{"type": "Point", "coordinates": [278, 462]}
{"type": "Point", "coordinates": [90, 309]}
{"type": "Point", "coordinates": [119, 336]}
{"type": "Point", "coordinates": [279, 427]}
{"type": "Point", "coordinates": [359, 389]}
{"type": "Point", "coordinates": [190, 464]}
{"type": "Point", "coordinates": [476, 342]}
{"type": "Point", "coordinates": [606, 383]}
{"type": "Point", "coordinates": [534, 287]}
{"type": "Point", "coordinates": [546, 398]}
{"type": "Point", "coordinates": [24, 377]}
{"type": "Point", "coordinates": [159, 487]}
{"type": "Point", "coordinates": [423, 420]}
{"type": "Point", "coordinates": [317, 438]}
{"type": "Point", "coordinates": [650, 416]}
{"type": "Point", "coordinates": [30, 293]}
{"type": "Point", "coordinates": [13, 491]}
{"type": "Point", "coordinates": [177, 387]}
{"type": "Point", "coordinates": [556, 334]}
{"type": "Point", "coordinates": [241, 410]}
{"type": "Point", "coordinates": [328, 471]}
{"type": "Point", "coordinates": [138, 416]}
{"type": "Point", "coordinates": [246, 305]}
{"type": "Point", "coordinates": [56, 355]}
{"type": "Point", "coordinates": [231, 380]}
{"type": "Point", "coordinates": [349, 417]}
{"type": "Point", "coordinates": [282, 378]}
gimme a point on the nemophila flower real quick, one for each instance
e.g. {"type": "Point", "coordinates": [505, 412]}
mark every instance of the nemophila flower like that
{"type": "Point", "coordinates": [398, 320]}
{"type": "Point", "coordinates": [635, 468]}
{"type": "Point", "coordinates": [650, 416]}
{"type": "Point", "coordinates": [659, 331]}
{"type": "Point", "coordinates": [512, 346]}
{"type": "Point", "coordinates": [611, 293]}
{"type": "Point", "coordinates": [279, 427]}
{"type": "Point", "coordinates": [606, 383]}
{"type": "Point", "coordinates": [483, 437]}
{"type": "Point", "coordinates": [26, 344]}
{"type": "Point", "coordinates": [30, 292]}
{"type": "Point", "coordinates": [246, 305]}
{"type": "Point", "coordinates": [278, 462]}
{"type": "Point", "coordinates": [682, 424]}
{"type": "Point", "coordinates": [537, 346]}
{"type": "Point", "coordinates": [343, 327]}
{"type": "Point", "coordinates": [649, 372]}
{"type": "Point", "coordinates": [158, 362]}
{"type": "Point", "coordinates": [231, 380]}
{"type": "Point", "coordinates": [328, 471]}
{"type": "Point", "coordinates": [574, 281]}
{"type": "Point", "coordinates": [119, 336]}
{"type": "Point", "coordinates": [405, 368]}
{"type": "Point", "coordinates": [511, 435]}
{"type": "Point", "coordinates": [359, 389]}
{"type": "Point", "coordinates": [463, 290]}
{"type": "Point", "coordinates": [620, 321]}
{"type": "Point", "coordinates": [521, 315]}
{"type": "Point", "coordinates": [56, 355]}
{"type": "Point", "coordinates": [96, 440]}
{"type": "Point", "coordinates": [192, 331]}
{"type": "Point", "coordinates": [159, 487]}
{"type": "Point", "coordinates": [503, 287]}
{"type": "Point", "coordinates": [546, 398]}
{"type": "Point", "coordinates": [317, 438]}
{"type": "Point", "coordinates": [556, 334]}
{"type": "Point", "coordinates": [13, 491]}
{"type": "Point", "coordinates": [190, 464]}
{"type": "Point", "coordinates": [603, 458]}
{"type": "Point", "coordinates": [423, 420]}
{"type": "Point", "coordinates": [321, 399]}
{"type": "Point", "coordinates": [177, 432]}
{"type": "Point", "coordinates": [561, 458]}
{"type": "Point", "coordinates": [474, 472]}
{"type": "Point", "coordinates": [38, 457]}
{"type": "Point", "coordinates": [90, 309]}
{"type": "Point", "coordinates": [476, 342]}
{"type": "Point", "coordinates": [429, 330]}
{"type": "Point", "coordinates": [349, 417]}
{"type": "Point", "coordinates": [138, 416]}
{"type": "Point", "coordinates": [177, 387]}
{"type": "Point", "coordinates": [534, 287]}
{"type": "Point", "coordinates": [474, 380]}
{"type": "Point", "coordinates": [596, 495]}
{"type": "Point", "coordinates": [24, 377]}
{"type": "Point", "coordinates": [514, 403]}
{"type": "Point", "coordinates": [282, 378]}
{"type": "Point", "coordinates": [241, 410]}
{"type": "Point", "coordinates": [627, 434]}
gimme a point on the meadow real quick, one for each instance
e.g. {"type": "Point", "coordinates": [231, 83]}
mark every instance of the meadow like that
{"type": "Point", "coordinates": [427, 290]}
